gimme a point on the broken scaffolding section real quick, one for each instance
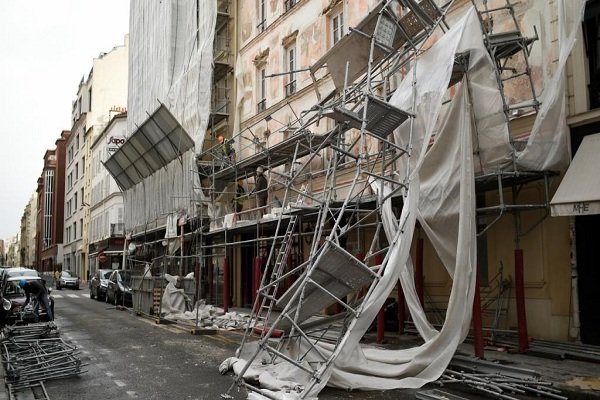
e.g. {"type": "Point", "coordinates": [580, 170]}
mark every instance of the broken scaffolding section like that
{"type": "Point", "coordinates": [288, 326]}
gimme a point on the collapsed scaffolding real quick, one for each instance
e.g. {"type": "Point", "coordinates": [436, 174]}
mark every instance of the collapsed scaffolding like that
{"type": "Point", "coordinates": [388, 126]}
{"type": "Point", "coordinates": [298, 336]}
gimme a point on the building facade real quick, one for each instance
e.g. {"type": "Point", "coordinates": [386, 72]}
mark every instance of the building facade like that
{"type": "Point", "coordinates": [27, 256]}
{"type": "Point", "coordinates": [50, 207]}
{"type": "Point", "coordinates": [107, 231]}
{"type": "Point", "coordinates": [75, 205]}
{"type": "Point", "coordinates": [106, 88]}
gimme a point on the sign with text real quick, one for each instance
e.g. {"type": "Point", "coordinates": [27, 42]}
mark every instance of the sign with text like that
{"type": "Point", "coordinates": [113, 143]}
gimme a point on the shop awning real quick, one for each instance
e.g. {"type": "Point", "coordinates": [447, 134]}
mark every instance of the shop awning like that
{"type": "Point", "coordinates": [579, 192]}
{"type": "Point", "coordinates": [157, 142]}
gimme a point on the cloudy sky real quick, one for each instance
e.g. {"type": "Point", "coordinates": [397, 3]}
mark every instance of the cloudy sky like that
{"type": "Point", "coordinates": [46, 47]}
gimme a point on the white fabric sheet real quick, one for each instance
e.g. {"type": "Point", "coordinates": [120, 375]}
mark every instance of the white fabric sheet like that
{"type": "Point", "coordinates": [548, 144]}
{"type": "Point", "coordinates": [441, 196]}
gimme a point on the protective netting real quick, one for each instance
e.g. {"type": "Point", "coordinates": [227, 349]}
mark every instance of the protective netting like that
{"type": "Point", "coordinates": [171, 49]}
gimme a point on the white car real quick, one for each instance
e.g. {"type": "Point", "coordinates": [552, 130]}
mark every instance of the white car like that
{"type": "Point", "coordinates": [67, 280]}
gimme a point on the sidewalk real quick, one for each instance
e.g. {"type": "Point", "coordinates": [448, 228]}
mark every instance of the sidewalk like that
{"type": "Point", "coordinates": [575, 379]}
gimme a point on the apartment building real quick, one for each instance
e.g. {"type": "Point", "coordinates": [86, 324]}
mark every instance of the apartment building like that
{"type": "Point", "coordinates": [73, 252]}
{"type": "Point", "coordinates": [27, 254]}
{"type": "Point", "coordinates": [107, 230]}
{"type": "Point", "coordinates": [105, 89]}
{"type": "Point", "coordinates": [286, 62]}
{"type": "Point", "coordinates": [50, 207]}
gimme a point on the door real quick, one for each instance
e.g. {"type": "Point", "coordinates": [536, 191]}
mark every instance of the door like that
{"type": "Point", "coordinates": [588, 267]}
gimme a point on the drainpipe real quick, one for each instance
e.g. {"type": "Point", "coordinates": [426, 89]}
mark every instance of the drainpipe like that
{"type": "Point", "coordinates": [574, 330]}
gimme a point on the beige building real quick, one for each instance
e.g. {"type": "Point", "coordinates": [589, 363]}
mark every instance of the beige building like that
{"type": "Point", "coordinates": [274, 62]}
{"type": "Point", "coordinates": [28, 233]}
{"type": "Point", "coordinates": [274, 86]}
{"type": "Point", "coordinates": [105, 92]}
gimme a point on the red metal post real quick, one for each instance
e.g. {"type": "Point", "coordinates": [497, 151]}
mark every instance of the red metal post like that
{"type": "Point", "coordinates": [226, 284]}
{"type": "Point", "coordinates": [381, 325]}
{"type": "Point", "coordinates": [520, 296]}
{"type": "Point", "coordinates": [210, 282]}
{"type": "Point", "coordinates": [401, 309]}
{"type": "Point", "coordinates": [256, 277]}
{"type": "Point", "coordinates": [381, 314]}
{"type": "Point", "coordinates": [419, 271]}
{"type": "Point", "coordinates": [477, 322]}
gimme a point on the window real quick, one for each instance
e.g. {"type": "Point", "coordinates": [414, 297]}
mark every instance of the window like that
{"type": "Point", "coordinates": [289, 4]}
{"type": "Point", "coordinates": [262, 15]}
{"type": "Point", "coordinates": [75, 230]}
{"type": "Point", "coordinates": [75, 200]}
{"type": "Point", "coordinates": [89, 101]}
{"type": "Point", "coordinates": [290, 88]}
{"type": "Point", "coordinates": [76, 171]}
{"type": "Point", "coordinates": [220, 93]}
{"type": "Point", "coordinates": [337, 26]}
{"type": "Point", "coordinates": [81, 227]}
{"type": "Point", "coordinates": [70, 180]}
{"type": "Point", "coordinates": [591, 30]}
{"type": "Point", "coordinates": [48, 197]}
{"type": "Point", "coordinates": [77, 142]}
{"type": "Point", "coordinates": [262, 92]}
{"type": "Point", "coordinates": [83, 165]}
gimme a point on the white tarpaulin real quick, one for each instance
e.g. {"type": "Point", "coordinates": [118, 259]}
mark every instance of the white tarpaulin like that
{"type": "Point", "coordinates": [548, 143]}
{"type": "Point", "coordinates": [441, 196]}
{"type": "Point", "coordinates": [171, 53]}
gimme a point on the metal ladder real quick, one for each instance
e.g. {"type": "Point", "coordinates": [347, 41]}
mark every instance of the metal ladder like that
{"type": "Point", "coordinates": [502, 45]}
{"type": "Point", "coordinates": [268, 293]}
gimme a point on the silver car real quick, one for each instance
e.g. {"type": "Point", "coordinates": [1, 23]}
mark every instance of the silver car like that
{"type": "Point", "coordinates": [67, 280]}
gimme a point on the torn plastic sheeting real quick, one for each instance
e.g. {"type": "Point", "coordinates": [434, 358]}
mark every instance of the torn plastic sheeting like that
{"type": "Point", "coordinates": [548, 144]}
{"type": "Point", "coordinates": [442, 194]}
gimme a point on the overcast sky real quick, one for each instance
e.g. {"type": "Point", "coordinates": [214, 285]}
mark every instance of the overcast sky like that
{"type": "Point", "coordinates": [46, 47]}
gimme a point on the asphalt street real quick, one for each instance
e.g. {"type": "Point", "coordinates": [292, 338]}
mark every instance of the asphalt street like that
{"type": "Point", "coordinates": [130, 357]}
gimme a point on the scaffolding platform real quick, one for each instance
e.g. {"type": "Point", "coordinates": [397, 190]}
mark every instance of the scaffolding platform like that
{"type": "Point", "coordinates": [352, 51]}
{"type": "Point", "coordinates": [336, 274]}
{"type": "Point", "coordinates": [273, 156]}
{"type": "Point", "coordinates": [507, 44]}
{"type": "Point", "coordinates": [381, 117]}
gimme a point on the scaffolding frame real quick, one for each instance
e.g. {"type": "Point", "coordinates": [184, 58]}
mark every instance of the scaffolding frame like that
{"type": "Point", "coordinates": [393, 41]}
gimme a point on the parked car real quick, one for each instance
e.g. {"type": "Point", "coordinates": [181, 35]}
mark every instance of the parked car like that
{"type": "Point", "coordinates": [119, 288]}
{"type": "Point", "coordinates": [67, 280]}
{"type": "Point", "coordinates": [13, 298]}
{"type": "Point", "coordinates": [99, 284]}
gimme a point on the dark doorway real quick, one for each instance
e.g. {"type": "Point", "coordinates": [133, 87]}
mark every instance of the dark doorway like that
{"type": "Point", "coordinates": [588, 267]}
{"type": "Point", "coordinates": [591, 31]}
{"type": "Point", "coordinates": [248, 254]}
{"type": "Point", "coordinates": [588, 257]}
